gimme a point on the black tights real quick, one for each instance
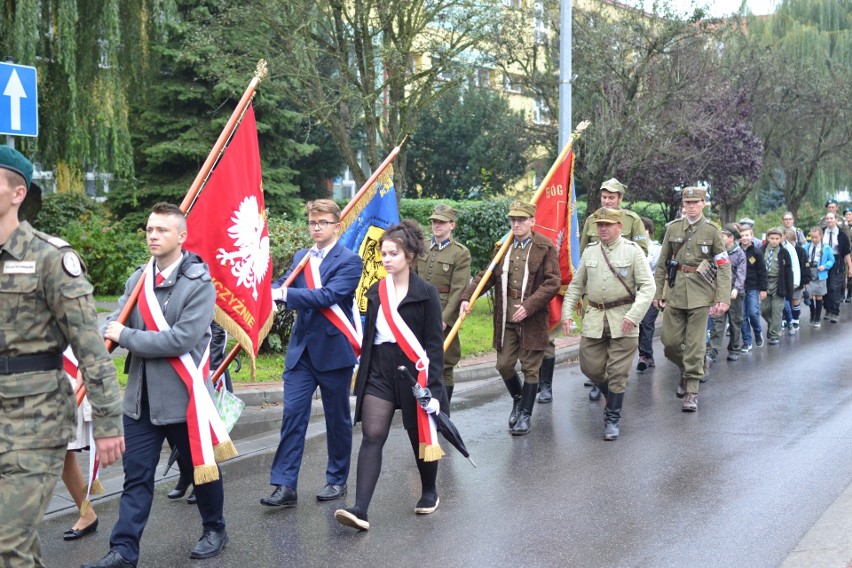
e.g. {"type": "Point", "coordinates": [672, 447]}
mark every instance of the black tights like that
{"type": "Point", "coordinates": [376, 417]}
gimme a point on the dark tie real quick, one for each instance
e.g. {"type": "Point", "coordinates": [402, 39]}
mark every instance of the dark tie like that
{"type": "Point", "coordinates": [830, 234]}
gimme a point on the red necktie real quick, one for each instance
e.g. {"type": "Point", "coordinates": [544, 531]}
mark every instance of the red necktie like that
{"type": "Point", "coordinates": [159, 279]}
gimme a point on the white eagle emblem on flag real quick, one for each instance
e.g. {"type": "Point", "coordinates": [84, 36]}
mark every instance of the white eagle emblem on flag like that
{"type": "Point", "coordinates": [251, 259]}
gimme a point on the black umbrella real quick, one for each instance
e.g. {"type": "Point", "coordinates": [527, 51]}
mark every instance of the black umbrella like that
{"type": "Point", "coordinates": [443, 423]}
{"type": "Point", "coordinates": [172, 459]}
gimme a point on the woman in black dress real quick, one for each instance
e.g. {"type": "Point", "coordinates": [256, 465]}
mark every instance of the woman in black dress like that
{"type": "Point", "coordinates": [403, 328]}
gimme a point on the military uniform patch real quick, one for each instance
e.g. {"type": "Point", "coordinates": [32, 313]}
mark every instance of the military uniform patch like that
{"type": "Point", "coordinates": [71, 264]}
{"type": "Point", "coordinates": [446, 267]}
{"type": "Point", "coordinates": [58, 243]}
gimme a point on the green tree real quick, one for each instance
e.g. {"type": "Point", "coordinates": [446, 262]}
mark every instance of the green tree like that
{"type": "Point", "coordinates": [466, 132]}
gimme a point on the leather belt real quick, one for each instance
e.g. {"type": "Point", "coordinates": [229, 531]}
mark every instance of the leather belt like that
{"type": "Point", "coordinates": [443, 289]}
{"type": "Point", "coordinates": [687, 268]}
{"type": "Point", "coordinates": [514, 293]}
{"type": "Point", "coordinates": [608, 305]}
{"type": "Point", "coordinates": [29, 363]}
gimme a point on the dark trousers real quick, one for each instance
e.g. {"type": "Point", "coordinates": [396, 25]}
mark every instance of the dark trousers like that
{"type": "Point", "coordinates": [836, 278]}
{"type": "Point", "coordinates": [646, 332]}
{"type": "Point", "coordinates": [300, 382]}
{"type": "Point", "coordinates": [143, 443]}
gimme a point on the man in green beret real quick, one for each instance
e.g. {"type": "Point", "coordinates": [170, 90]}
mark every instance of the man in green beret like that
{"type": "Point", "coordinates": [446, 266]}
{"type": "Point", "coordinates": [524, 283]}
{"type": "Point", "coordinates": [612, 192]}
{"type": "Point", "coordinates": [615, 283]}
{"type": "Point", "coordinates": [693, 278]}
{"type": "Point", "coordinates": [46, 305]}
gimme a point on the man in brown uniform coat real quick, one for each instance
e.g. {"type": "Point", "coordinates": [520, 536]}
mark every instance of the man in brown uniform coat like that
{"type": "Point", "coordinates": [524, 282]}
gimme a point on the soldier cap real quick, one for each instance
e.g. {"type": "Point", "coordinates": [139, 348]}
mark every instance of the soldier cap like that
{"type": "Point", "coordinates": [733, 230]}
{"type": "Point", "coordinates": [443, 213]}
{"type": "Point", "coordinates": [831, 201]}
{"type": "Point", "coordinates": [746, 222]}
{"type": "Point", "coordinates": [614, 186]}
{"type": "Point", "coordinates": [11, 159]}
{"type": "Point", "coordinates": [694, 193]}
{"type": "Point", "coordinates": [604, 215]}
{"type": "Point", "coordinates": [775, 231]}
{"type": "Point", "coordinates": [521, 209]}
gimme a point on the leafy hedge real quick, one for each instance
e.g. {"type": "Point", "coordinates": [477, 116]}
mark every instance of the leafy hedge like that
{"type": "Point", "coordinates": [110, 251]}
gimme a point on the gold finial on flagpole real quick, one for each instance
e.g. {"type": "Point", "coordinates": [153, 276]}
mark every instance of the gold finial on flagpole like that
{"type": "Point", "coordinates": [262, 70]}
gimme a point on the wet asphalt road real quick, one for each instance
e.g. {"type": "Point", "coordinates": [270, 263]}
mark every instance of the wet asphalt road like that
{"type": "Point", "coordinates": [737, 484]}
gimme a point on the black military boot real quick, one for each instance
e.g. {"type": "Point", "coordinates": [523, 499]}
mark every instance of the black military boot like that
{"type": "Point", "coordinates": [595, 393]}
{"type": "Point", "coordinates": [513, 383]}
{"type": "Point", "coordinates": [522, 428]}
{"type": "Point", "coordinates": [545, 381]}
{"type": "Point", "coordinates": [612, 414]}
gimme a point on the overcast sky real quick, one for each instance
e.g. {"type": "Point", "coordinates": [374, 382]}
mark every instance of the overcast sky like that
{"type": "Point", "coordinates": [726, 7]}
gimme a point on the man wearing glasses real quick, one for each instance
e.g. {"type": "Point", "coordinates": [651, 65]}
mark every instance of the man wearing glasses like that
{"type": "Point", "coordinates": [787, 220]}
{"type": "Point", "coordinates": [525, 281]}
{"type": "Point", "coordinates": [320, 353]}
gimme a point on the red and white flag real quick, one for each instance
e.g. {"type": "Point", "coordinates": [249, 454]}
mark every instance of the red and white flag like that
{"type": "Point", "coordinates": [227, 228]}
{"type": "Point", "coordinates": [553, 220]}
{"type": "Point", "coordinates": [72, 371]}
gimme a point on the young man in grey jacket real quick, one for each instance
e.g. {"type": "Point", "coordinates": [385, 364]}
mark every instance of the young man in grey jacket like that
{"type": "Point", "coordinates": [156, 398]}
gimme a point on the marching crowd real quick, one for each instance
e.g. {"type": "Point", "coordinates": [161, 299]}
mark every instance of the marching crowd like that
{"type": "Point", "coordinates": [708, 282]}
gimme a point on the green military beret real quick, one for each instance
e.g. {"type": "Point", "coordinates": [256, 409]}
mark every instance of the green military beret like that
{"type": "Point", "coordinates": [11, 159]}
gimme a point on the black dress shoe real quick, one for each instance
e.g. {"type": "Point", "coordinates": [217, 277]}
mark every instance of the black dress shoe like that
{"type": "Point", "coordinates": [210, 544]}
{"type": "Point", "coordinates": [192, 499]}
{"type": "Point", "coordinates": [111, 560]}
{"type": "Point", "coordinates": [179, 491]}
{"type": "Point", "coordinates": [74, 534]}
{"type": "Point", "coordinates": [282, 497]}
{"type": "Point", "coordinates": [331, 492]}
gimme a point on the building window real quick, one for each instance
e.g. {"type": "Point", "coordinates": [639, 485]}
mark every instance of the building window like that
{"type": "Point", "coordinates": [513, 3]}
{"type": "Point", "coordinates": [482, 77]}
{"type": "Point", "coordinates": [512, 83]}
{"type": "Point", "coordinates": [541, 28]}
{"type": "Point", "coordinates": [541, 112]}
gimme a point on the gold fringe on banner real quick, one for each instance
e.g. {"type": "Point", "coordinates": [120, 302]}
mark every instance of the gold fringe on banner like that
{"type": "Point", "coordinates": [431, 452]}
{"type": "Point", "coordinates": [85, 508]}
{"type": "Point", "coordinates": [225, 451]}
{"type": "Point", "coordinates": [97, 488]}
{"type": "Point", "coordinates": [205, 474]}
{"type": "Point", "coordinates": [240, 335]}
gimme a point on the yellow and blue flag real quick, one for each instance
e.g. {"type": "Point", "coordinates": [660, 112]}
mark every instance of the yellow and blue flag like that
{"type": "Point", "coordinates": [364, 225]}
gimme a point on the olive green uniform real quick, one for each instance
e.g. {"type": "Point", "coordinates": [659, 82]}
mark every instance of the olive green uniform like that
{"type": "Point", "coordinates": [606, 353]}
{"type": "Point", "coordinates": [632, 229]}
{"type": "Point", "coordinates": [45, 304]}
{"type": "Point", "coordinates": [688, 302]}
{"type": "Point", "coordinates": [447, 267]}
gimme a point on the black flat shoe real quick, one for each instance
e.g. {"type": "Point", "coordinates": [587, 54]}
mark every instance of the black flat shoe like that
{"type": "Point", "coordinates": [192, 499]}
{"type": "Point", "coordinates": [281, 497]}
{"type": "Point", "coordinates": [111, 560]}
{"type": "Point", "coordinates": [331, 492]}
{"type": "Point", "coordinates": [74, 534]}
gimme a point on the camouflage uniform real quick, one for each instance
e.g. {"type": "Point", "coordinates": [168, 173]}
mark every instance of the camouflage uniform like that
{"type": "Point", "coordinates": [446, 266]}
{"type": "Point", "coordinates": [45, 304]}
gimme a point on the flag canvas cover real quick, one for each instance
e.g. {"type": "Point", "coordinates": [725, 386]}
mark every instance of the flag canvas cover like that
{"type": "Point", "coordinates": [227, 228]}
{"type": "Point", "coordinates": [555, 219]}
{"type": "Point", "coordinates": [364, 225]}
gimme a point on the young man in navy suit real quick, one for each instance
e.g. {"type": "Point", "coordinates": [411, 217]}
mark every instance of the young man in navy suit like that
{"type": "Point", "coordinates": [322, 352]}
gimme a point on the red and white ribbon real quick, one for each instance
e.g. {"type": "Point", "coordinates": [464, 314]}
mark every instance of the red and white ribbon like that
{"type": "Point", "coordinates": [335, 314]}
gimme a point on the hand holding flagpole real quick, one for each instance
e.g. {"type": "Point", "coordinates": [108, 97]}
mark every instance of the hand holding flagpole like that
{"type": "Point", "coordinates": [507, 242]}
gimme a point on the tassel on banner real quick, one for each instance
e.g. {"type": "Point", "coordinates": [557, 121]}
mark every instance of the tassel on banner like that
{"type": "Point", "coordinates": [431, 452]}
{"type": "Point", "coordinates": [97, 488]}
{"type": "Point", "coordinates": [85, 508]}
{"type": "Point", "coordinates": [224, 451]}
{"type": "Point", "coordinates": [205, 474]}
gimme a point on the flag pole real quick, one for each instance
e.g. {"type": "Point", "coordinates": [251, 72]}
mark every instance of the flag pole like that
{"type": "Point", "coordinates": [505, 246]}
{"type": "Point", "coordinates": [260, 73]}
{"type": "Point", "coordinates": [302, 263]}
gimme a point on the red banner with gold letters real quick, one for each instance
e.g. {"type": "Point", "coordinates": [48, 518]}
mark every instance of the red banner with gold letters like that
{"type": "Point", "coordinates": [227, 228]}
{"type": "Point", "coordinates": [553, 220]}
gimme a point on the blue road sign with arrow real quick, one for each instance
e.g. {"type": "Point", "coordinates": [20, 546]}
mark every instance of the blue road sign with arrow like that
{"type": "Point", "coordinates": [18, 100]}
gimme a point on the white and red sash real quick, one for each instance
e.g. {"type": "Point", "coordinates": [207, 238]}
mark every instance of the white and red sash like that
{"type": "Point", "coordinates": [208, 438]}
{"type": "Point", "coordinates": [335, 314]}
{"type": "Point", "coordinates": [72, 371]}
{"type": "Point", "coordinates": [430, 449]}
